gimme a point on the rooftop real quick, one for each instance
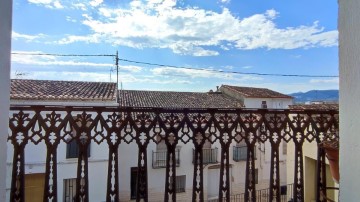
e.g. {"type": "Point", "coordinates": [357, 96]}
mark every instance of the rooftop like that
{"type": "Point", "coordinates": [315, 106]}
{"type": "Point", "coordinates": [166, 99]}
{"type": "Point", "coordinates": [24, 89]}
{"type": "Point", "coordinates": [251, 92]}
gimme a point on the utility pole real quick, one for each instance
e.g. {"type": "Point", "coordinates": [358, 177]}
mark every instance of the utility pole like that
{"type": "Point", "coordinates": [117, 68]}
{"type": "Point", "coordinates": [117, 75]}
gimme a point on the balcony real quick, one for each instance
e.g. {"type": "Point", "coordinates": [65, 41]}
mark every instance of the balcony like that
{"type": "Point", "coordinates": [159, 159]}
{"type": "Point", "coordinates": [116, 128]}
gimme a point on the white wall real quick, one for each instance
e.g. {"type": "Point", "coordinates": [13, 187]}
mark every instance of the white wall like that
{"type": "Point", "coordinates": [5, 48]}
{"type": "Point", "coordinates": [349, 42]}
{"type": "Point", "coordinates": [272, 103]}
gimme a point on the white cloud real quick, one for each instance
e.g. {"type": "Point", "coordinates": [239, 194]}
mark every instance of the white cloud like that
{"type": "Point", "coordinates": [194, 73]}
{"type": "Point", "coordinates": [54, 4]}
{"type": "Point", "coordinates": [225, 1]}
{"type": "Point", "coordinates": [247, 67]}
{"type": "Point", "coordinates": [26, 37]}
{"type": "Point", "coordinates": [332, 80]}
{"type": "Point", "coordinates": [80, 6]}
{"type": "Point", "coordinates": [47, 60]}
{"type": "Point", "coordinates": [195, 31]}
{"type": "Point", "coordinates": [96, 3]}
{"type": "Point", "coordinates": [70, 19]}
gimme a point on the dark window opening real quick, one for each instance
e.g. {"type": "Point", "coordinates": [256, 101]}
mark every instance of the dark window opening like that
{"type": "Point", "coordinates": [263, 105]}
{"type": "Point", "coordinates": [133, 183]}
{"type": "Point", "coordinates": [72, 150]}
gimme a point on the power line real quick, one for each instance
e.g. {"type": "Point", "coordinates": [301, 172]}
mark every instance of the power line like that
{"type": "Point", "coordinates": [65, 55]}
{"type": "Point", "coordinates": [230, 72]}
{"type": "Point", "coordinates": [180, 67]}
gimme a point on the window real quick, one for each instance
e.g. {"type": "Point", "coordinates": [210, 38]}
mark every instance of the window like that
{"type": "Point", "coordinates": [72, 150]}
{"type": "Point", "coordinates": [284, 148]}
{"type": "Point", "coordinates": [263, 104]}
{"type": "Point", "coordinates": [283, 190]}
{"type": "Point", "coordinates": [256, 176]}
{"type": "Point", "coordinates": [180, 183]}
{"type": "Point", "coordinates": [69, 189]}
{"type": "Point", "coordinates": [133, 182]}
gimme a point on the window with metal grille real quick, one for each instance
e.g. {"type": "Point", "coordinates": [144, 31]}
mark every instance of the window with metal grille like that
{"type": "Point", "coordinates": [69, 189]}
{"type": "Point", "coordinates": [180, 183]}
{"type": "Point", "coordinates": [72, 150]}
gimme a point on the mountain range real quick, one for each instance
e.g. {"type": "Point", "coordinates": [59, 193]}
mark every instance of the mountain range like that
{"type": "Point", "coordinates": [316, 95]}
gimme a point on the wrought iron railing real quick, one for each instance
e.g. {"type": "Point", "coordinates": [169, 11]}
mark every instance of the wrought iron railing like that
{"type": "Point", "coordinates": [286, 195]}
{"type": "Point", "coordinates": [115, 127]}
{"type": "Point", "coordinates": [209, 155]}
{"type": "Point", "coordinates": [159, 158]}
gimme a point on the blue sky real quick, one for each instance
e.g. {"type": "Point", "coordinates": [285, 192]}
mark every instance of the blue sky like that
{"type": "Point", "coordinates": [272, 36]}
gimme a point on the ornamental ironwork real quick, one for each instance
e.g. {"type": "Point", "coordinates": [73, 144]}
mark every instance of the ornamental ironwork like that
{"type": "Point", "coordinates": [114, 126]}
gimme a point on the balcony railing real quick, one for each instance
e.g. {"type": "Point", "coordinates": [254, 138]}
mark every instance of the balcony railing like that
{"type": "Point", "coordinates": [286, 195]}
{"type": "Point", "coordinates": [209, 155]}
{"type": "Point", "coordinates": [116, 127]}
{"type": "Point", "coordinates": [159, 158]}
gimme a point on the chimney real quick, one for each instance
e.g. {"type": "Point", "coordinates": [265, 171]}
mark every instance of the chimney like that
{"type": "Point", "coordinates": [217, 88]}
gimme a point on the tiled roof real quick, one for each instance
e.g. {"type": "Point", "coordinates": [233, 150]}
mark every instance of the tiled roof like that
{"type": "Point", "coordinates": [25, 89]}
{"type": "Point", "coordinates": [315, 106]}
{"type": "Point", "coordinates": [251, 92]}
{"type": "Point", "coordinates": [165, 99]}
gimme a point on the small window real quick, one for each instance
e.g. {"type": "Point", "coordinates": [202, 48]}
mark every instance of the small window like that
{"type": "Point", "coordinates": [69, 190]}
{"type": "Point", "coordinates": [284, 148]}
{"type": "Point", "coordinates": [72, 150]}
{"type": "Point", "coordinates": [180, 183]}
{"type": "Point", "coordinates": [256, 176]}
{"type": "Point", "coordinates": [283, 190]}
{"type": "Point", "coordinates": [263, 105]}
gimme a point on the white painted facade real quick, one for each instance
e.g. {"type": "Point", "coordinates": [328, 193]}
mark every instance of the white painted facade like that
{"type": "Point", "coordinates": [5, 50]}
{"type": "Point", "coordinates": [272, 103]}
{"type": "Point", "coordinates": [349, 43]}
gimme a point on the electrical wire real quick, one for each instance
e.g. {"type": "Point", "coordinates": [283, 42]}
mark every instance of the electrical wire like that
{"type": "Point", "coordinates": [179, 67]}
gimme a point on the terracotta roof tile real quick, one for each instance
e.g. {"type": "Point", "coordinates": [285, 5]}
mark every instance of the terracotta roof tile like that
{"type": "Point", "coordinates": [166, 99]}
{"type": "Point", "coordinates": [61, 90]}
{"type": "Point", "coordinates": [251, 92]}
{"type": "Point", "coordinates": [315, 106]}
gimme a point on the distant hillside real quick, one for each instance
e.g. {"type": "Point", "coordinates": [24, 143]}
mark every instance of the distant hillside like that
{"type": "Point", "coordinates": [316, 95]}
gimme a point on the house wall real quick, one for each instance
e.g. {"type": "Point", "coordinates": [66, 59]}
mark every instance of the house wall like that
{"type": "Point", "coordinates": [5, 49]}
{"type": "Point", "coordinates": [156, 177]}
{"type": "Point", "coordinates": [349, 44]}
{"type": "Point", "coordinates": [272, 103]}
